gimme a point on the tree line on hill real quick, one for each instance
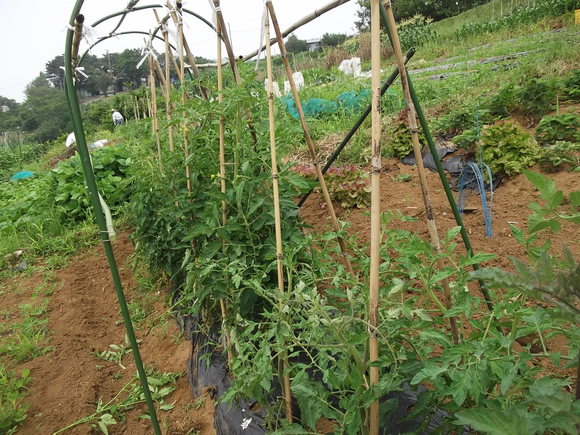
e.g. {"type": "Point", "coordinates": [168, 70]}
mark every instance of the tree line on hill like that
{"type": "Point", "coordinates": [44, 113]}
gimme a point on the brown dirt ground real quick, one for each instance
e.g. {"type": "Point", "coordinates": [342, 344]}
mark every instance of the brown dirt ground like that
{"type": "Point", "coordinates": [510, 205]}
{"type": "Point", "coordinates": [84, 317]}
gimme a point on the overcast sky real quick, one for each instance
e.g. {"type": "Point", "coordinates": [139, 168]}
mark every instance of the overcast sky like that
{"type": "Point", "coordinates": [32, 31]}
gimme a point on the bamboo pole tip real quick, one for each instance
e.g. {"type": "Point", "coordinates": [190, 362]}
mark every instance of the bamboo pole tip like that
{"type": "Point", "coordinates": [80, 19]}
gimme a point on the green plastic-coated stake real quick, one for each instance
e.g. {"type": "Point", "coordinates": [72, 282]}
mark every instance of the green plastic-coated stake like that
{"type": "Point", "coordinates": [440, 170]}
{"type": "Point", "coordinates": [75, 112]}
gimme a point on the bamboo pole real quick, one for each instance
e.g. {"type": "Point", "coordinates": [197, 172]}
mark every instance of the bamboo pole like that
{"type": "Point", "coordinates": [154, 119]}
{"type": "Point", "coordinates": [222, 158]}
{"type": "Point", "coordinates": [299, 23]}
{"type": "Point", "coordinates": [309, 141]}
{"type": "Point", "coordinates": [147, 95]}
{"type": "Point", "coordinates": [374, 280]}
{"type": "Point", "coordinates": [161, 76]}
{"type": "Point", "coordinates": [277, 218]}
{"type": "Point", "coordinates": [412, 119]}
{"type": "Point", "coordinates": [189, 55]}
{"type": "Point", "coordinates": [167, 84]}
{"type": "Point", "coordinates": [230, 52]}
{"type": "Point", "coordinates": [183, 96]}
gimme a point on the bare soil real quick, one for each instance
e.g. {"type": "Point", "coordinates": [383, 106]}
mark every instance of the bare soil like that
{"type": "Point", "coordinates": [84, 317]}
{"type": "Point", "coordinates": [510, 205]}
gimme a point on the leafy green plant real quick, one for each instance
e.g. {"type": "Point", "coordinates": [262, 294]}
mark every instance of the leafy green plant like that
{"type": "Point", "coordinates": [465, 139]}
{"type": "Point", "coordinates": [27, 339]}
{"type": "Point", "coordinates": [115, 353]}
{"type": "Point", "coordinates": [347, 185]}
{"type": "Point", "coordinates": [545, 408]}
{"type": "Point", "coordinates": [399, 142]}
{"type": "Point", "coordinates": [12, 390]}
{"type": "Point", "coordinates": [562, 127]}
{"type": "Point", "coordinates": [110, 165]}
{"type": "Point", "coordinates": [559, 156]}
{"type": "Point", "coordinates": [571, 86]}
{"type": "Point", "coordinates": [533, 97]}
{"type": "Point", "coordinates": [508, 149]}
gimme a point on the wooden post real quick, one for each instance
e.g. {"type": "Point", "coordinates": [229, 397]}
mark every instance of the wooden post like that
{"type": "Point", "coordinates": [277, 218]}
{"type": "Point", "coordinates": [309, 141]}
{"type": "Point", "coordinates": [412, 119]}
{"type": "Point", "coordinates": [374, 281]}
{"type": "Point", "coordinates": [222, 158]}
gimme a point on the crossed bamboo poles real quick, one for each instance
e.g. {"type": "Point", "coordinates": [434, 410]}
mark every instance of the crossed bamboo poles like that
{"type": "Point", "coordinates": [375, 175]}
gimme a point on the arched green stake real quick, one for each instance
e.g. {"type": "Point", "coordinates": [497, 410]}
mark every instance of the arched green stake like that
{"type": "Point", "coordinates": [75, 113]}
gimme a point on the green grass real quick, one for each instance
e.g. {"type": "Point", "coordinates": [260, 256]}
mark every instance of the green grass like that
{"type": "Point", "coordinates": [12, 391]}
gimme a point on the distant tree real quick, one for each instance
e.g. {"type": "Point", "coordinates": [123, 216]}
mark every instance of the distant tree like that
{"type": "Point", "coordinates": [295, 45]}
{"type": "Point", "coordinates": [9, 120]}
{"type": "Point", "coordinates": [54, 72]}
{"type": "Point", "coordinates": [364, 16]}
{"type": "Point", "coordinates": [125, 68]}
{"type": "Point", "coordinates": [333, 39]}
{"type": "Point", "coordinates": [4, 101]}
{"type": "Point", "coordinates": [44, 113]}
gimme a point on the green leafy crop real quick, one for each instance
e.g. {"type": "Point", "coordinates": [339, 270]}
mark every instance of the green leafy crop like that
{"type": "Point", "coordinates": [110, 166]}
{"type": "Point", "coordinates": [508, 149]}
{"type": "Point", "coordinates": [562, 127]}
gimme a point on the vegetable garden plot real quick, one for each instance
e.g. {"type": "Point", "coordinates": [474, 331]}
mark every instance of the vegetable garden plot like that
{"type": "Point", "coordinates": [295, 325]}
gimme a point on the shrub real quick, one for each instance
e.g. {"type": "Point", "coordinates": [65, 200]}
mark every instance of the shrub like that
{"type": "Point", "coordinates": [572, 86]}
{"type": "Point", "coordinates": [561, 155]}
{"type": "Point", "coordinates": [532, 98]}
{"type": "Point", "coordinates": [562, 127]}
{"type": "Point", "coordinates": [508, 149]}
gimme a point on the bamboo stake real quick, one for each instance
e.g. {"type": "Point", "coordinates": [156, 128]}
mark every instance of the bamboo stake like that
{"type": "Point", "coordinates": [301, 22]}
{"type": "Point", "coordinates": [147, 95]}
{"type": "Point", "coordinates": [374, 280]}
{"type": "Point", "coordinates": [167, 85]}
{"type": "Point", "coordinates": [154, 120]}
{"type": "Point", "coordinates": [277, 218]}
{"type": "Point", "coordinates": [309, 141]}
{"type": "Point", "coordinates": [225, 38]}
{"type": "Point", "coordinates": [412, 119]}
{"type": "Point", "coordinates": [159, 71]}
{"type": "Point", "coordinates": [183, 97]}
{"type": "Point", "coordinates": [222, 157]}
{"type": "Point", "coordinates": [190, 57]}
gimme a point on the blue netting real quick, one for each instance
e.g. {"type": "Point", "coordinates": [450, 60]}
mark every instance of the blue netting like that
{"type": "Point", "coordinates": [350, 101]}
{"type": "Point", "coordinates": [21, 175]}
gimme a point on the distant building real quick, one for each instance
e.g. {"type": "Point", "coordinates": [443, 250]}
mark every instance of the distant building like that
{"type": "Point", "coordinates": [4, 108]}
{"type": "Point", "coordinates": [314, 44]}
